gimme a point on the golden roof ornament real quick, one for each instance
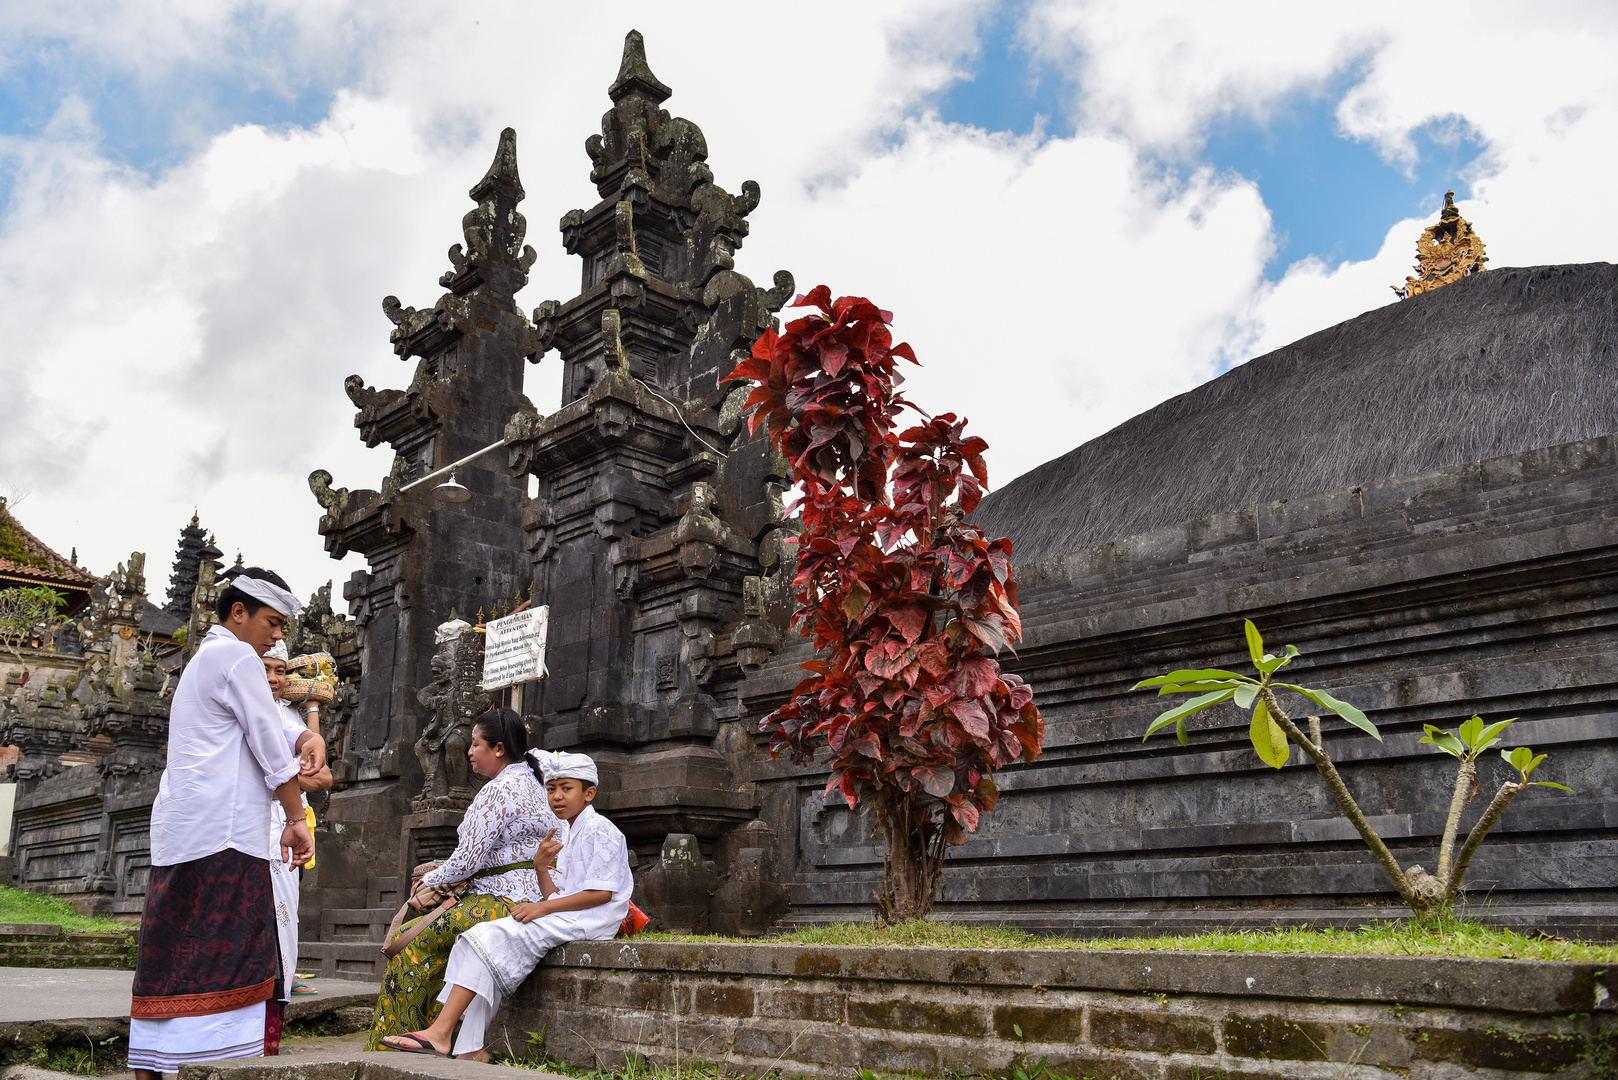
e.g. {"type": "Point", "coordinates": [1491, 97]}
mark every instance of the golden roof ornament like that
{"type": "Point", "coordinates": [1445, 254]}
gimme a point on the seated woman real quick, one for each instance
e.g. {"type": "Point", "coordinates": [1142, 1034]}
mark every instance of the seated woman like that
{"type": "Point", "coordinates": [502, 830]}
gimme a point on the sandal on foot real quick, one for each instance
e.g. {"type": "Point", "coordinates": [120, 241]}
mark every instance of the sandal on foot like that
{"type": "Point", "coordinates": [303, 989]}
{"type": "Point", "coordinates": [422, 1045]}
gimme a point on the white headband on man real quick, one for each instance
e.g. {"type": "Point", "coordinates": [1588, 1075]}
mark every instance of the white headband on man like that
{"type": "Point", "coordinates": [565, 766]}
{"type": "Point", "coordinates": [269, 593]}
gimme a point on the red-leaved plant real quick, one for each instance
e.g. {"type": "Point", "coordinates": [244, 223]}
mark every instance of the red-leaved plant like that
{"type": "Point", "coordinates": [907, 602]}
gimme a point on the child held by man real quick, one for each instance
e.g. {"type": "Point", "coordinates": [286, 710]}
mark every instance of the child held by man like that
{"type": "Point", "coordinates": [586, 897]}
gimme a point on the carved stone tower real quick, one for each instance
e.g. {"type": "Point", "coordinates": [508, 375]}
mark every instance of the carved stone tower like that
{"type": "Point", "coordinates": [428, 559]}
{"type": "Point", "coordinates": [658, 522]}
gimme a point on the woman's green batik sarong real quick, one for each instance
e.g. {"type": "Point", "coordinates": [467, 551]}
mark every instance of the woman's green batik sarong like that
{"type": "Point", "coordinates": [409, 998]}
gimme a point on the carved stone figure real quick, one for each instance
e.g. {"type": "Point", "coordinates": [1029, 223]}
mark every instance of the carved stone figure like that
{"type": "Point", "coordinates": [455, 701]}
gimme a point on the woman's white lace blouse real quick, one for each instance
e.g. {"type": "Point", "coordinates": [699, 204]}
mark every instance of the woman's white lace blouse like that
{"type": "Point", "coordinates": [508, 818]}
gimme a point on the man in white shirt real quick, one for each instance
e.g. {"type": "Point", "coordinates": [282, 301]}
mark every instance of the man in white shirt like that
{"type": "Point", "coordinates": [207, 962]}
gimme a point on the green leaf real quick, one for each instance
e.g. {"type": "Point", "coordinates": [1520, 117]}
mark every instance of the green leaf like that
{"type": "Point", "coordinates": [1291, 651]}
{"type": "Point", "coordinates": [1341, 708]}
{"type": "Point", "coordinates": [1180, 732]}
{"type": "Point", "coordinates": [1444, 741]}
{"type": "Point", "coordinates": [1198, 687]}
{"type": "Point", "coordinates": [1245, 695]}
{"type": "Point", "coordinates": [1255, 642]}
{"type": "Point", "coordinates": [1268, 738]}
{"type": "Point", "coordinates": [1547, 783]}
{"type": "Point", "coordinates": [1187, 675]}
{"type": "Point", "coordinates": [1522, 759]}
{"type": "Point", "coordinates": [1184, 709]}
{"type": "Point", "coordinates": [1471, 730]}
{"type": "Point", "coordinates": [1269, 664]}
{"type": "Point", "coordinates": [1491, 731]}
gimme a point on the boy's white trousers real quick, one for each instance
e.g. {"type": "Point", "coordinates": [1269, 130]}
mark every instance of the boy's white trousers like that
{"type": "Point", "coordinates": [493, 958]}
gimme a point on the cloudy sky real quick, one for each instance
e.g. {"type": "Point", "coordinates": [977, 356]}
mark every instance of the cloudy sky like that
{"type": "Point", "coordinates": [1075, 210]}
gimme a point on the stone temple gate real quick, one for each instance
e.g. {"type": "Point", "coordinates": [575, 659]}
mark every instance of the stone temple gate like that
{"type": "Point", "coordinates": [655, 535]}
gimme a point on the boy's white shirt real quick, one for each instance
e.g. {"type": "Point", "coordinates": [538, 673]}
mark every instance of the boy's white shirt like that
{"type": "Point", "coordinates": [294, 725]}
{"type": "Point", "coordinates": [594, 856]}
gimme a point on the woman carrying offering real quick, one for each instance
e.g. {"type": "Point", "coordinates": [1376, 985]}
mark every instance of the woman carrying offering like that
{"type": "Point", "coordinates": [502, 830]}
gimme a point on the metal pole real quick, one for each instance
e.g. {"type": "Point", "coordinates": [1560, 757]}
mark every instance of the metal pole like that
{"type": "Point", "coordinates": [453, 466]}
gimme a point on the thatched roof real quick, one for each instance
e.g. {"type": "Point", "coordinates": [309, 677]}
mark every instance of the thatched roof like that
{"type": "Point", "coordinates": [1509, 360]}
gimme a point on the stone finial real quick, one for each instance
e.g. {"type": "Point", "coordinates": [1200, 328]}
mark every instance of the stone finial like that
{"type": "Point", "coordinates": [502, 171]}
{"type": "Point", "coordinates": [635, 75]}
{"type": "Point", "coordinates": [1446, 252]}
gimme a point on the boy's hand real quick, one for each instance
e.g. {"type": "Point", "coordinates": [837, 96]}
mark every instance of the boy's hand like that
{"type": "Point", "coordinates": [311, 754]}
{"type": "Point", "coordinates": [549, 848]}
{"type": "Point", "coordinates": [525, 913]}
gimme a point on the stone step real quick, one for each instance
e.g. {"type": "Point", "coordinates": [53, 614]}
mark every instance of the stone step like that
{"type": "Point", "coordinates": [1543, 514]}
{"type": "Point", "coordinates": [1098, 594]}
{"type": "Point", "coordinates": [353, 960]}
{"type": "Point", "coordinates": [45, 946]}
{"type": "Point", "coordinates": [355, 924]}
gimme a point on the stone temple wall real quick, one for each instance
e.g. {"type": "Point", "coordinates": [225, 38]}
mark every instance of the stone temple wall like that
{"type": "Point", "coordinates": [1483, 588]}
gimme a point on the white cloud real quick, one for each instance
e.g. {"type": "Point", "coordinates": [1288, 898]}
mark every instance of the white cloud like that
{"type": "Point", "coordinates": [180, 339]}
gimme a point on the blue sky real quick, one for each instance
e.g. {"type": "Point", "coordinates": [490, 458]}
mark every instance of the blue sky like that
{"type": "Point", "coordinates": [1329, 195]}
{"type": "Point", "coordinates": [151, 124]}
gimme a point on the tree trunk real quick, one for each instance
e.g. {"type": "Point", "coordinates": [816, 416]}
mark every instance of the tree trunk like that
{"type": "Point", "coordinates": [915, 857]}
{"type": "Point", "coordinates": [1414, 899]}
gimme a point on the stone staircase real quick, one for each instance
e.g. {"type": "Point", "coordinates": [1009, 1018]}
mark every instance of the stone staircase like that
{"type": "Point", "coordinates": [46, 945]}
{"type": "Point", "coordinates": [350, 945]}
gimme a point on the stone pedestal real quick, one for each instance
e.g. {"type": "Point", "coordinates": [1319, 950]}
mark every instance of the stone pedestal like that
{"type": "Point", "coordinates": [677, 891]}
{"type": "Point", "coordinates": [428, 836]}
{"type": "Point", "coordinates": [750, 897]}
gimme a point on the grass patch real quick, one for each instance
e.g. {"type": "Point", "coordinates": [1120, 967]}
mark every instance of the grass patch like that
{"type": "Point", "coordinates": [26, 907]}
{"type": "Point", "coordinates": [91, 1059]}
{"type": "Point", "coordinates": [1448, 937]}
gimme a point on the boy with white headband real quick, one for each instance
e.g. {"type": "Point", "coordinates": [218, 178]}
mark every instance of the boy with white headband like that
{"type": "Point", "coordinates": [286, 877]}
{"type": "Point", "coordinates": [586, 898]}
{"type": "Point", "coordinates": [206, 966]}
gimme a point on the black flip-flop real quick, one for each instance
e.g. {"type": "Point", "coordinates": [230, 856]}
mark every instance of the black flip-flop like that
{"type": "Point", "coordinates": [422, 1045]}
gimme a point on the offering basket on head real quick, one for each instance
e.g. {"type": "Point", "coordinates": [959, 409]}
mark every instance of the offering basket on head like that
{"type": "Point", "coordinates": [311, 677]}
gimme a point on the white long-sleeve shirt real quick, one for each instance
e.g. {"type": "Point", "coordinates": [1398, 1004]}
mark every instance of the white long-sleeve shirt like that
{"type": "Point", "coordinates": [294, 723]}
{"type": "Point", "coordinates": [228, 750]}
{"type": "Point", "coordinates": [508, 818]}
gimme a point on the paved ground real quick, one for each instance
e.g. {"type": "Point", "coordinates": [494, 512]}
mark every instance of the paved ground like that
{"type": "Point", "coordinates": [63, 994]}
{"type": "Point", "coordinates": [41, 1002]}
{"type": "Point", "coordinates": [297, 1055]}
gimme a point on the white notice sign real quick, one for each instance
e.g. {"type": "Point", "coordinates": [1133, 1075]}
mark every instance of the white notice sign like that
{"type": "Point", "coordinates": [514, 648]}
